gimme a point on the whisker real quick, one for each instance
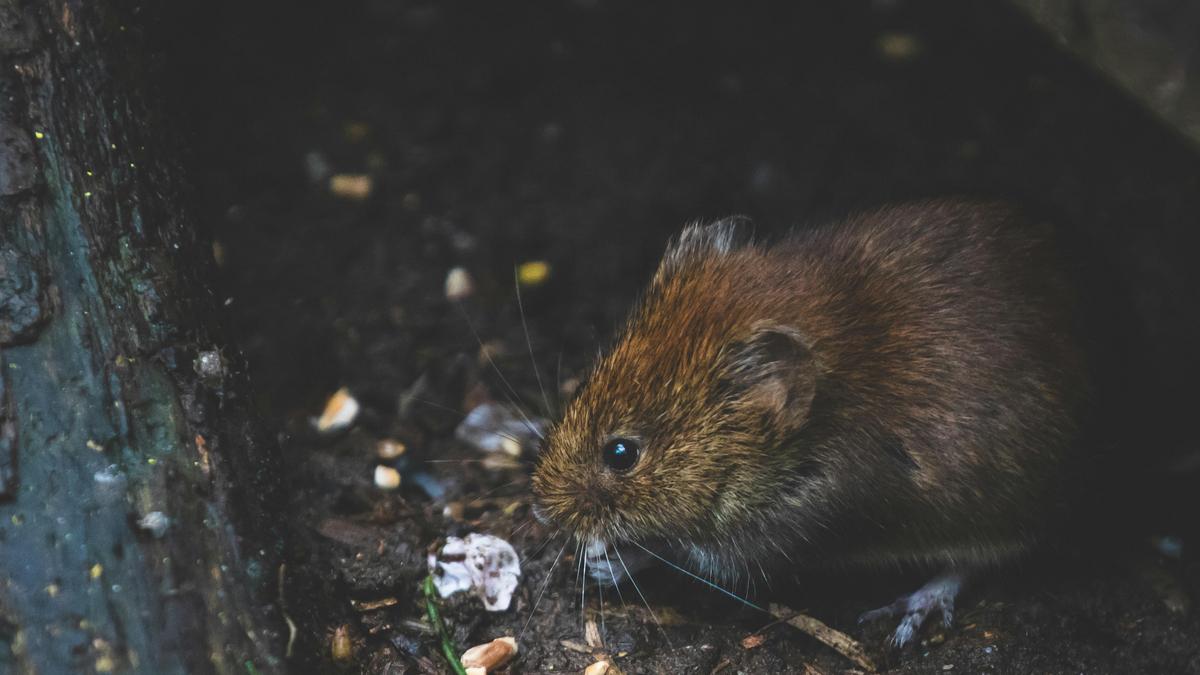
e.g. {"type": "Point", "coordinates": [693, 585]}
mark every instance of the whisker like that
{"type": "Point", "coordinates": [583, 590]}
{"type": "Point", "coordinates": [702, 580]}
{"type": "Point", "coordinates": [614, 580]}
{"type": "Point", "coordinates": [529, 343]}
{"type": "Point", "coordinates": [600, 595]}
{"type": "Point", "coordinates": [545, 584]}
{"type": "Point", "coordinates": [550, 537]}
{"type": "Point", "coordinates": [519, 528]}
{"type": "Point", "coordinates": [558, 381]}
{"type": "Point", "coordinates": [639, 592]}
{"type": "Point", "coordinates": [460, 412]}
{"type": "Point", "coordinates": [512, 399]}
{"type": "Point", "coordinates": [489, 493]}
{"type": "Point", "coordinates": [481, 460]}
{"type": "Point", "coordinates": [578, 561]}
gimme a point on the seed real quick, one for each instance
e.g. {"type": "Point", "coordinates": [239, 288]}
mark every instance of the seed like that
{"type": "Point", "coordinates": [340, 411]}
{"type": "Point", "coordinates": [491, 655]}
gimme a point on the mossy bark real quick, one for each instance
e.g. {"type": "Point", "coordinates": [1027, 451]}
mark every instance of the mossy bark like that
{"type": "Point", "coordinates": [138, 519]}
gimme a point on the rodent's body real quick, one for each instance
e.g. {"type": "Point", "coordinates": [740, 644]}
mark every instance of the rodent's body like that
{"type": "Point", "coordinates": [902, 386]}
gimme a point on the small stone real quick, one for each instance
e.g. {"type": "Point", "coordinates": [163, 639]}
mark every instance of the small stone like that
{"type": "Point", "coordinates": [533, 273]}
{"type": "Point", "coordinates": [459, 284]}
{"type": "Point", "coordinates": [155, 522]}
{"type": "Point", "coordinates": [355, 186]}
{"type": "Point", "coordinates": [898, 46]}
{"type": "Point", "coordinates": [386, 477]}
{"type": "Point", "coordinates": [389, 448]}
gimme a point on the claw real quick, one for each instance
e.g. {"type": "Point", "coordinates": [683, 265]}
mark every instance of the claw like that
{"type": "Point", "coordinates": [937, 594]}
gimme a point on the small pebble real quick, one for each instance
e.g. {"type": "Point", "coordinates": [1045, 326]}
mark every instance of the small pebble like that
{"type": "Point", "coordinates": [459, 284]}
{"type": "Point", "coordinates": [356, 186]}
{"type": "Point", "coordinates": [155, 522]}
{"type": "Point", "coordinates": [389, 448]}
{"type": "Point", "coordinates": [533, 273]}
{"type": "Point", "coordinates": [898, 46]}
{"type": "Point", "coordinates": [386, 477]}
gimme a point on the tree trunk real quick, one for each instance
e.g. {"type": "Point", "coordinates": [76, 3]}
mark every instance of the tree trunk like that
{"type": "Point", "coordinates": [139, 524]}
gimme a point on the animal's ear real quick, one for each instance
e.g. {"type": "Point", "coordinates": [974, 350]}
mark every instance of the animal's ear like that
{"type": "Point", "coordinates": [701, 240]}
{"type": "Point", "coordinates": [773, 372]}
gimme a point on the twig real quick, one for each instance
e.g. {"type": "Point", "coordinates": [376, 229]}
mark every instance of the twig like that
{"type": "Point", "coordinates": [435, 618]}
{"type": "Point", "coordinates": [840, 642]}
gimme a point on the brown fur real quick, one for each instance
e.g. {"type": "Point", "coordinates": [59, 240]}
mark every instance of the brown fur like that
{"type": "Point", "coordinates": [901, 386]}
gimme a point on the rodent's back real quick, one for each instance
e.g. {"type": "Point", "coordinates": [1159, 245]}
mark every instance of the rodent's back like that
{"type": "Point", "coordinates": [900, 385]}
{"type": "Point", "coordinates": [949, 339]}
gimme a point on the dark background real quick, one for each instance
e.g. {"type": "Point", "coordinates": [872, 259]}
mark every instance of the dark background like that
{"type": "Point", "coordinates": [585, 133]}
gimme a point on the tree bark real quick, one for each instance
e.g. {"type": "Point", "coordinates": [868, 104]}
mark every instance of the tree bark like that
{"type": "Point", "coordinates": [139, 524]}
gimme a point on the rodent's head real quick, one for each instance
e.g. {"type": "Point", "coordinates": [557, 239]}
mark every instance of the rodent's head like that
{"type": "Point", "coordinates": [676, 431]}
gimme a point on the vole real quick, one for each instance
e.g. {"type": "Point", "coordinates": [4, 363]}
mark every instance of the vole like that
{"type": "Point", "coordinates": [904, 386]}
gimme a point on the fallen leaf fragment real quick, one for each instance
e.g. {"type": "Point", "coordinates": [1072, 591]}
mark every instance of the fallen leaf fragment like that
{"type": "Point", "coordinates": [840, 642]}
{"type": "Point", "coordinates": [340, 411]}
{"type": "Point", "coordinates": [341, 646]}
{"type": "Point", "coordinates": [754, 640]}
{"type": "Point", "coordinates": [591, 634]}
{"type": "Point", "coordinates": [575, 646]}
{"type": "Point", "coordinates": [370, 605]}
{"type": "Point", "coordinates": [491, 655]}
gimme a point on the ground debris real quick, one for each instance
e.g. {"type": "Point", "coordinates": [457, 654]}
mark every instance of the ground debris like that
{"type": "Point", "coordinates": [340, 411]}
{"type": "Point", "coordinates": [840, 642]}
{"type": "Point", "coordinates": [486, 564]}
{"type": "Point", "coordinates": [493, 427]}
{"type": "Point", "coordinates": [491, 655]}
{"type": "Point", "coordinates": [370, 605]}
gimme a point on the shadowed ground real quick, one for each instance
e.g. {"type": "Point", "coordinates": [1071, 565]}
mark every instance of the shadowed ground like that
{"type": "Point", "coordinates": [584, 134]}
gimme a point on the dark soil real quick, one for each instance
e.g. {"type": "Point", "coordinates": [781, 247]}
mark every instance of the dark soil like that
{"type": "Point", "coordinates": [584, 134]}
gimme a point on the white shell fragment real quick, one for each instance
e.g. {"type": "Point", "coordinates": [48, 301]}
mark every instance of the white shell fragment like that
{"type": "Point", "coordinates": [340, 411]}
{"type": "Point", "coordinates": [486, 565]}
{"type": "Point", "coordinates": [492, 427]}
{"type": "Point", "coordinates": [386, 477]}
{"type": "Point", "coordinates": [491, 655]}
{"type": "Point", "coordinates": [459, 284]}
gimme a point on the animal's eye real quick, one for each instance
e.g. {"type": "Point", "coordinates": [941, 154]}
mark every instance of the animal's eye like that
{"type": "Point", "coordinates": [620, 454]}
